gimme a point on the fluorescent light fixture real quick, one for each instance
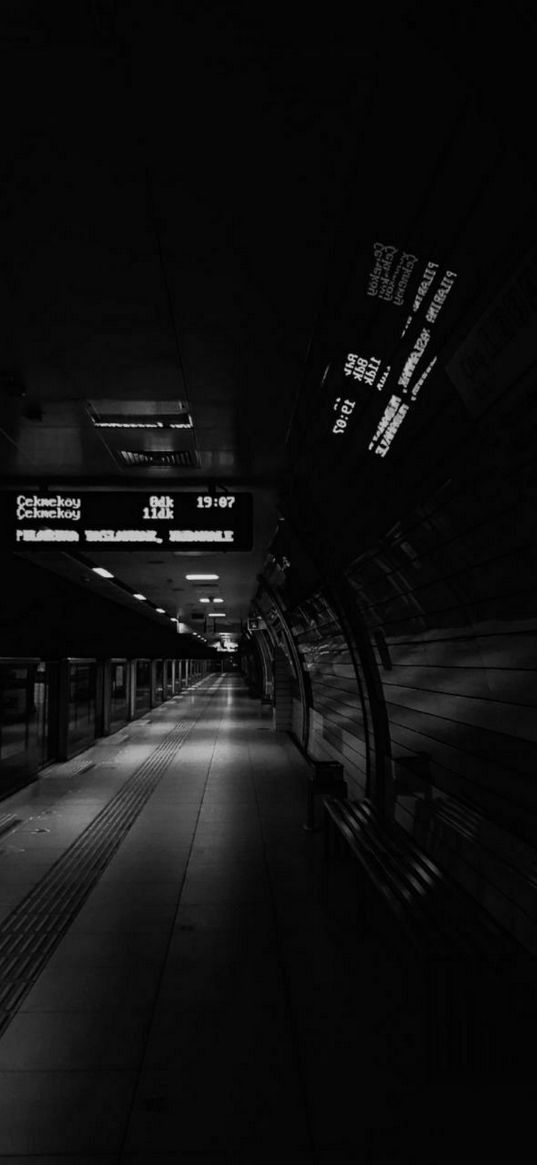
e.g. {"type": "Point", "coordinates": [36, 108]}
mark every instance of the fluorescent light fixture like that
{"type": "Point", "coordinates": [205, 600]}
{"type": "Point", "coordinates": [142, 598]}
{"type": "Point", "coordinates": [160, 611]}
{"type": "Point", "coordinates": [128, 424]}
{"type": "Point", "coordinates": [218, 600]}
{"type": "Point", "coordinates": [201, 577]}
{"type": "Point", "coordinates": [102, 572]}
{"type": "Point", "coordinates": [218, 615]}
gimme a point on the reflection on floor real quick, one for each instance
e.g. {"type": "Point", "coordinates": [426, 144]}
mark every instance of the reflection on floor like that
{"type": "Point", "coordinates": [210, 1001]}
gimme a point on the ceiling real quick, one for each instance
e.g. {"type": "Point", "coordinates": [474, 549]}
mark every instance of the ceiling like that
{"type": "Point", "coordinates": [174, 175]}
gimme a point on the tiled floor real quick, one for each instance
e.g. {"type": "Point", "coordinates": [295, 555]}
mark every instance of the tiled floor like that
{"type": "Point", "coordinates": [210, 1002]}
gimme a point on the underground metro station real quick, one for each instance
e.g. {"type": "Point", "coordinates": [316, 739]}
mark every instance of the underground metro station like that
{"type": "Point", "coordinates": [268, 686]}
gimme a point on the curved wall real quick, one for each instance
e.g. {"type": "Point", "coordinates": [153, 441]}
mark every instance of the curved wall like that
{"type": "Point", "coordinates": [413, 490]}
{"type": "Point", "coordinates": [339, 718]}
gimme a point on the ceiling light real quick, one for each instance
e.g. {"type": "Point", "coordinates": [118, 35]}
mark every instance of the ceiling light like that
{"type": "Point", "coordinates": [141, 597]}
{"type": "Point", "coordinates": [205, 600]}
{"type": "Point", "coordinates": [160, 611]}
{"type": "Point", "coordinates": [139, 424]}
{"type": "Point", "coordinates": [218, 615]}
{"type": "Point", "coordinates": [218, 600]}
{"type": "Point", "coordinates": [128, 424]}
{"type": "Point", "coordinates": [102, 572]}
{"type": "Point", "coordinates": [201, 577]}
{"type": "Point", "coordinates": [114, 414]}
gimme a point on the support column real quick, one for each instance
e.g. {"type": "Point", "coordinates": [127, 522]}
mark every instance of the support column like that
{"type": "Point", "coordinates": [63, 709]}
{"type": "Point", "coordinates": [103, 697]}
{"type": "Point", "coordinates": [132, 688]}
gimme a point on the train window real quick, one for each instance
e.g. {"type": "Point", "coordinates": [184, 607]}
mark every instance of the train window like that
{"type": "Point", "coordinates": [119, 692]}
{"type": "Point", "coordinates": [18, 721]}
{"type": "Point", "coordinates": [14, 711]}
{"type": "Point", "coordinates": [119, 681]}
{"type": "Point", "coordinates": [143, 684]}
{"type": "Point", "coordinates": [81, 709]}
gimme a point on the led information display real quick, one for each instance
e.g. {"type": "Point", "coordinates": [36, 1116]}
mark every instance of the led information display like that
{"type": "Point", "coordinates": [410, 292]}
{"type": "Point", "coordinates": [129, 520]}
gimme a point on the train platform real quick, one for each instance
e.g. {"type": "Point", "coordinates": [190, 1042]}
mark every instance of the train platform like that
{"type": "Point", "coordinates": [179, 980]}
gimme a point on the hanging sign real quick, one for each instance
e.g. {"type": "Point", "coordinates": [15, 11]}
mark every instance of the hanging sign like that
{"type": "Point", "coordinates": [129, 520]}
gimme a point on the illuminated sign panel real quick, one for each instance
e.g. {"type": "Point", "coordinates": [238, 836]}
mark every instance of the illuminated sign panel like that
{"type": "Point", "coordinates": [129, 520]}
{"type": "Point", "coordinates": [398, 300]}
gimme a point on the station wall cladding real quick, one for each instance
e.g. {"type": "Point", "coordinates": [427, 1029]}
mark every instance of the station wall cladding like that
{"type": "Point", "coordinates": [412, 483]}
{"type": "Point", "coordinates": [339, 720]}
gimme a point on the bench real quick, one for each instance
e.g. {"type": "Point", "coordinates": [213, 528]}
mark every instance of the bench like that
{"type": "Point", "coordinates": [324, 777]}
{"type": "Point", "coordinates": [470, 965]}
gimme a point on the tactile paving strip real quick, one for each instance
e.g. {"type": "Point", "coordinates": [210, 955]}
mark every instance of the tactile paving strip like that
{"type": "Point", "coordinates": [34, 927]}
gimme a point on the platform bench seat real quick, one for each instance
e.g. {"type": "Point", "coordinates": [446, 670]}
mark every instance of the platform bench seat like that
{"type": "Point", "coordinates": [472, 968]}
{"type": "Point", "coordinates": [323, 777]}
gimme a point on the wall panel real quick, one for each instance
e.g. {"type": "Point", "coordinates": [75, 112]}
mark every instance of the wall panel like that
{"type": "Point", "coordinates": [338, 724]}
{"type": "Point", "coordinates": [449, 597]}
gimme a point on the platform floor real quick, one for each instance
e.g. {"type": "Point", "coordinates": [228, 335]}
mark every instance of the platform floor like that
{"type": "Point", "coordinates": [209, 1001]}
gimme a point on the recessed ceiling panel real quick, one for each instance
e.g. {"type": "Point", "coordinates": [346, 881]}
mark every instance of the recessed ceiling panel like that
{"type": "Point", "coordinates": [186, 458]}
